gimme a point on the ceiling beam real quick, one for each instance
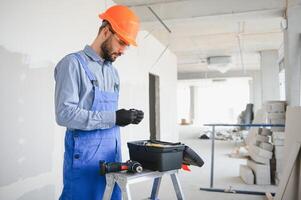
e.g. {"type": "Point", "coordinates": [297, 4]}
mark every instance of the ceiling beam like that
{"type": "Point", "coordinates": [214, 74]}
{"type": "Point", "coordinates": [226, 16]}
{"type": "Point", "coordinates": [150, 3]}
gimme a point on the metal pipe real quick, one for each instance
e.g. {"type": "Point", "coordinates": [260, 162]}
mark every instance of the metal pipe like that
{"type": "Point", "coordinates": [160, 20]}
{"type": "Point", "coordinates": [235, 191]}
{"type": "Point", "coordinates": [212, 156]}
{"type": "Point", "coordinates": [241, 30]}
{"type": "Point", "coordinates": [160, 56]}
{"type": "Point", "coordinates": [156, 3]}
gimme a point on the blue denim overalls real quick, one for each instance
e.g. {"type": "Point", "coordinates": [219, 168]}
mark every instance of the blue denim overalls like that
{"type": "Point", "coordinates": [84, 150]}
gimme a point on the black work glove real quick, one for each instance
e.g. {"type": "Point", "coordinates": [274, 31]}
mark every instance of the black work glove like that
{"type": "Point", "coordinates": [125, 117]}
{"type": "Point", "coordinates": [139, 116]}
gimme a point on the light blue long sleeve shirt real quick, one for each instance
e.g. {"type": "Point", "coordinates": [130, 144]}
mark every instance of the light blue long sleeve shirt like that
{"type": "Point", "coordinates": [74, 91]}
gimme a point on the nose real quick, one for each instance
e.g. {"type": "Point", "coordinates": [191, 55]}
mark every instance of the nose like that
{"type": "Point", "coordinates": [121, 50]}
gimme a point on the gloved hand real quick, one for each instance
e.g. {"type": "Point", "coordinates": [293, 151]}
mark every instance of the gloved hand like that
{"type": "Point", "coordinates": [139, 116]}
{"type": "Point", "coordinates": [126, 117]}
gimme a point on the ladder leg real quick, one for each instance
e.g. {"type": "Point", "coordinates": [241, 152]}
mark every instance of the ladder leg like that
{"type": "Point", "coordinates": [177, 186]}
{"type": "Point", "coordinates": [125, 187]}
{"type": "Point", "coordinates": [109, 186]}
{"type": "Point", "coordinates": [155, 189]}
{"type": "Point", "coordinates": [126, 195]}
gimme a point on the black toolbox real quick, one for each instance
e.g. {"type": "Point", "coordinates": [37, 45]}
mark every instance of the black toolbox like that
{"type": "Point", "coordinates": [157, 155]}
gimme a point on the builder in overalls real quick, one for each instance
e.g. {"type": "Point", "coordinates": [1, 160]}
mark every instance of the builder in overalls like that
{"type": "Point", "coordinates": [86, 97]}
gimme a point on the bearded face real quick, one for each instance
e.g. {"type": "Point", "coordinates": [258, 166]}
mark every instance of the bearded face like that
{"type": "Point", "coordinates": [109, 53]}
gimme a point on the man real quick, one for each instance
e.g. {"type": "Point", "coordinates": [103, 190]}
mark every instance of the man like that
{"type": "Point", "coordinates": [86, 96]}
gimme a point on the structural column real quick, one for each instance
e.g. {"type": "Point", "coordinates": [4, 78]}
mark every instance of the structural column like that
{"type": "Point", "coordinates": [255, 90]}
{"type": "Point", "coordinates": [193, 103]}
{"type": "Point", "coordinates": [269, 75]}
{"type": "Point", "coordinates": [292, 51]}
{"type": "Point", "coordinates": [292, 62]}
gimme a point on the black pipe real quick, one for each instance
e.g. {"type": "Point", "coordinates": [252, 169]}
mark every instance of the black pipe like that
{"type": "Point", "coordinates": [235, 191]}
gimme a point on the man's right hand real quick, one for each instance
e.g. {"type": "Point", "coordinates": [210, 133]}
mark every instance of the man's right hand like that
{"type": "Point", "coordinates": [126, 117]}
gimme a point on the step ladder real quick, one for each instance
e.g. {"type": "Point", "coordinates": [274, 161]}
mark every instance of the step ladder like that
{"type": "Point", "coordinates": [124, 179]}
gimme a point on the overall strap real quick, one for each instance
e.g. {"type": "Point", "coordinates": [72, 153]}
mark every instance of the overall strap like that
{"type": "Point", "coordinates": [87, 70]}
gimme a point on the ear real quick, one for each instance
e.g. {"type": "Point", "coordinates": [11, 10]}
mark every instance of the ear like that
{"type": "Point", "coordinates": [105, 32]}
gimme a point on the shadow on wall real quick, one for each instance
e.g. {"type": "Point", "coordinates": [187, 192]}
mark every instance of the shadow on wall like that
{"type": "Point", "coordinates": [27, 118]}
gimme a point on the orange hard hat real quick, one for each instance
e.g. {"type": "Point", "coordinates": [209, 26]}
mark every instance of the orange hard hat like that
{"type": "Point", "coordinates": [123, 21]}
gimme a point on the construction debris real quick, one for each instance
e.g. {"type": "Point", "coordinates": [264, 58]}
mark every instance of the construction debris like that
{"type": "Point", "coordinates": [261, 171]}
{"type": "Point", "coordinates": [246, 174]}
{"type": "Point", "coordinates": [278, 140]}
{"type": "Point", "coordinates": [266, 146]}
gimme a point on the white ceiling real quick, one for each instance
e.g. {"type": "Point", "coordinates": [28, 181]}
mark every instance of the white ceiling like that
{"type": "Point", "coordinates": [203, 28]}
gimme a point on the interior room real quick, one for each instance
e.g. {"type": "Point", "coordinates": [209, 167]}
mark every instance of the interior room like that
{"type": "Point", "coordinates": [150, 99]}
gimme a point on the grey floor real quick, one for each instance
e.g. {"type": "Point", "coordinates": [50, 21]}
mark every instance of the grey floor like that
{"type": "Point", "coordinates": [226, 173]}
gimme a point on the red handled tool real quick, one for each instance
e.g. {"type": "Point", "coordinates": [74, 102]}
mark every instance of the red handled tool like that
{"type": "Point", "coordinates": [129, 166]}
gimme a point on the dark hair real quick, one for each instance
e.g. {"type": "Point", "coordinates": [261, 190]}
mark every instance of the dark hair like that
{"type": "Point", "coordinates": [103, 25]}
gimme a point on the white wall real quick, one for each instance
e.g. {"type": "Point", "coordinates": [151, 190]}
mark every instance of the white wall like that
{"type": "Point", "coordinates": [134, 69]}
{"type": "Point", "coordinates": [34, 36]}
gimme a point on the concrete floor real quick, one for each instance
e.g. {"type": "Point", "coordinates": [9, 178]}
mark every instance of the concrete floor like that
{"type": "Point", "coordinates": [226, 173]}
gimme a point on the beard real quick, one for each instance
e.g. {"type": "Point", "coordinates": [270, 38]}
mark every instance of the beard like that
{"type": "Point", "coordinates": [107, 49]}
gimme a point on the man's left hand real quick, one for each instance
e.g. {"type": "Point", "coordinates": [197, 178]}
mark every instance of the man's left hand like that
{"type": "Point", "coordinates": [139, 116]}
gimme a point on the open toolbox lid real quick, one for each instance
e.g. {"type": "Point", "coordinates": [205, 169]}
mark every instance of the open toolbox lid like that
{"type": "Point", "coordinates": [156, 146]}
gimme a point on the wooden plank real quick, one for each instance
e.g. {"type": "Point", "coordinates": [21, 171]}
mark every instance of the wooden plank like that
{"type": "Point", "coordinates": [286, 188]}
{"type": "Point", "coordinates": [289, 180]}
